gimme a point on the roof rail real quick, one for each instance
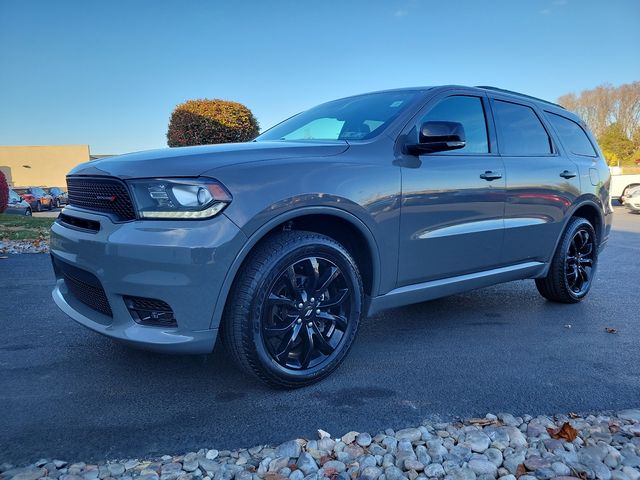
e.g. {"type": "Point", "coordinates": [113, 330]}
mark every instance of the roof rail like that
{"type": "Point", "coordinates": [511, 92]}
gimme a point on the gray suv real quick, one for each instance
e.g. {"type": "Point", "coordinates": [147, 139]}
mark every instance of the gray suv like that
{"type": "Point", "coordinates": [283, 245]}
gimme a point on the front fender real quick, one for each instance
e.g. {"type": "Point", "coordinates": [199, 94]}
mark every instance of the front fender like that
{"type": "Point", "coordinates": [268, 226]}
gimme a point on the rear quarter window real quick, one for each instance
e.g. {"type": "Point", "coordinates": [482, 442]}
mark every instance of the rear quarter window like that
{"type": "Point", "coordinates": [520, 130]}
{"type": "Point", "coordinates": [572, 135]}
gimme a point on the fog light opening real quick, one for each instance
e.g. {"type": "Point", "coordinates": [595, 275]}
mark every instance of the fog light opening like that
{"type": "Point", "coordinates": [150, 312]}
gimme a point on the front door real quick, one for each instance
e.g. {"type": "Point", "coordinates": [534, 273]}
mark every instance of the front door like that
{"type": "Point", "coordinates": [452, 202]}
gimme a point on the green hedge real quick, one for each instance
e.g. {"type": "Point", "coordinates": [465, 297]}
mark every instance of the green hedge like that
{"type": "Point", "coordinates": [204, 122]}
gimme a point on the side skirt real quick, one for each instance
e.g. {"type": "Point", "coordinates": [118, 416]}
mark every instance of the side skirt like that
{"type": "Point", "coordinates": [422, 292]}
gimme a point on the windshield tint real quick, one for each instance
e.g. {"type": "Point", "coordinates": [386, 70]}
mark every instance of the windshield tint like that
{"type": "Point", "coordinates": [38, 191]}
{"type": "Point", "coordinates": [354, 118]}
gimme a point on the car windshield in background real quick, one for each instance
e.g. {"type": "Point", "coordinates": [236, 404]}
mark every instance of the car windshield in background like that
{"type": "Point", "coordinates": [21, 191]}
{"type": "Point", "coordinates": [38, 191]}
{"type": "Point", "coordinates": [354, 118]}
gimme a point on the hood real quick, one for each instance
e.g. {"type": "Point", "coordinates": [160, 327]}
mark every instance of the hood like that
{"type": "Point", "coordinates": [194, 161]}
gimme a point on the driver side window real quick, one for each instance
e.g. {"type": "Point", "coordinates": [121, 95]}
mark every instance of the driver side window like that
{"type": "Point", "coordinates": [468, 111]}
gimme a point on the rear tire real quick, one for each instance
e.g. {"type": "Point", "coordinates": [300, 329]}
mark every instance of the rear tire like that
{"type": "Point", "coordinates": [294, 309]}
{"type": "Point", "coordinates": [38, 206]}
{"type": "Point", "coordinates": [573, 265]}
{"type": "Point", "coordinates": [27, 212]}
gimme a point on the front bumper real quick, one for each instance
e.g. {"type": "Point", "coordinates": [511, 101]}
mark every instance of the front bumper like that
{"type": "Point", "coordinates": [182, 263]}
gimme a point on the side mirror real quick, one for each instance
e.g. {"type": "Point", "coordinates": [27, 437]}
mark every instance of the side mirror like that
{"type": "Point", "coordinates": [438, 137]}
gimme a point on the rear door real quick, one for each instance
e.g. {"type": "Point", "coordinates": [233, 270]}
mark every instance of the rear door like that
{"type": "Point", "coordinates": [542, 184]}
{"type": "Point", "coordinates": [452, 202]}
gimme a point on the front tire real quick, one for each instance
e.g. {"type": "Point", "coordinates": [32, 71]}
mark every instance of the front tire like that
{"type": "Point", "coordinates": [38, 206]}
{"type": "Point", "coordinates": [27, 212]}
{"type": "Point", "coordinates": [294, 309]}
{"type": "Point", "coordinates": [573, 266]}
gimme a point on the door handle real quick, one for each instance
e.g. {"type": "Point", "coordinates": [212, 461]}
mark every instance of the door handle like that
{"type": "Point", "coordinates": [567, 174]}
{"type": "Point", "coordinates": [489, 175]}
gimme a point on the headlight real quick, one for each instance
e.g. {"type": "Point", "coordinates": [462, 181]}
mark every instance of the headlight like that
{"type": "Point", "coordinates": [179, 198]}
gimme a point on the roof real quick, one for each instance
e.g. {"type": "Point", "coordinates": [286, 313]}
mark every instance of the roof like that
{"type": "Point", "coordinates": [518, 94]}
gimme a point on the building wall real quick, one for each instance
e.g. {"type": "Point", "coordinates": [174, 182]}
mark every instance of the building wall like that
{"type": "Point", "coordinates": [41, 166]}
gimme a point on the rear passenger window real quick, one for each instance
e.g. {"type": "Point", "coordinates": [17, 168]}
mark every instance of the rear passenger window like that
{"type": "Point", "coordinates": [572, 135]}
{"type": "Point", "coordinates": [470, 113]}
{"type": "Point", "coordinates": [520, 130]}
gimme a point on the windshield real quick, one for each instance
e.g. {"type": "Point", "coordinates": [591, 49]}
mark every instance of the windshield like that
{"type": "Point", "coordinates": [38, 191]}
{"type": "Point", "coordinates": [354, 118]}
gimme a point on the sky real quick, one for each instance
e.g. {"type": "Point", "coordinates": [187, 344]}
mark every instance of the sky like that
{"type": "Point", "coordinates": [108, 73]}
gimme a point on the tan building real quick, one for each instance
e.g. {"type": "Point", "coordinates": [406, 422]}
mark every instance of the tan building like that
{"type": "Point", "coordinates": [42, 165]}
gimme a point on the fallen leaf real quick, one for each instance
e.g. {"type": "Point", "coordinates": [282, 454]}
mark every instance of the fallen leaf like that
{"type": "Point", "coordinates": [614, 427]}
{"type": "Point", "coordinates": [324, 459]}
{"type": "Point", "coordinates": [521, 470]}
{"type": "Point", "coordinates": [274, 476]}
{"type": "Point", "coordinates": [483, 422]}
{"type": "Point", "coordinates": [565, 432]}
{"type": "Point", "coordinates": [580, 475]}
{"type": "Point", "coordinates": [330, 472]}
{"type": "Point", "coordinates": [610, 330]}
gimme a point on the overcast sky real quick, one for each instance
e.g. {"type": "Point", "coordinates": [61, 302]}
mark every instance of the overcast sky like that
{"type": "Point", "coordinates": [109, 73]}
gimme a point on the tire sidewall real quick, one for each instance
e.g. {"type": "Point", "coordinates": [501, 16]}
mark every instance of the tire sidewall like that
{"type": "Point", "coordinates": [577, 224]}
{"type": "Point", "coordinates": [308, 247]}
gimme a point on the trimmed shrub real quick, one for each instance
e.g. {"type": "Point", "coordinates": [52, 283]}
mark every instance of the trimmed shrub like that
{"type": "Point", "coordinates": [4, 192]}
{"type": "Point", "coordinates": [203, 122]}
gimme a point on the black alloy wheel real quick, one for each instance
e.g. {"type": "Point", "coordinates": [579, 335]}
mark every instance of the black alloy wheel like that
{"type": "Point", "coordinates": [573, 266]}
{"type": "Point", "coordinates": [294, 309]}
{"type": "Point", "coordinates": [306, 314]}
{"type": "Point", "coordinates": [579, 261]}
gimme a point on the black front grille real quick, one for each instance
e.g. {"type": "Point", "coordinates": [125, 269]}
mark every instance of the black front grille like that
{"type": "Point", "coordinates": [84, 286]}
{"type": "Point", "coordinates": [107, 195]}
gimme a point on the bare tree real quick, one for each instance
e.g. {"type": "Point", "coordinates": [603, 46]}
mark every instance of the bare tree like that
{"type": "Point", "coordinates": [605, 104]}
{"type": "Point", "coordinates": [627, 107]}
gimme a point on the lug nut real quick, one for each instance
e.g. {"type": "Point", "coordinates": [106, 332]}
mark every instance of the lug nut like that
{"type": "Point", "coordinates": [317, 311]}
{"type": "Point", "coordinates": [299, 320]}
{"type": "Point", "coordinates": [300, 305]}
{"type": "Point", "coordinates": [310, 324]}
{"type": "Point", "coordinates": [312, 300]}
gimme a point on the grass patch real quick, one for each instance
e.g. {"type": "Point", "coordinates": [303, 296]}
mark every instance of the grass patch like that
{"type": "Point", "coordinates": [17, 227]}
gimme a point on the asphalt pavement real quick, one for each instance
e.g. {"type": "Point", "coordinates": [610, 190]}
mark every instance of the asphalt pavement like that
{"type": "Point", "coordinates": [66, 392]}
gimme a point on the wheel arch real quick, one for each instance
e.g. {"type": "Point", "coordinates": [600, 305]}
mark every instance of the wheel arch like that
{"type": "Point", "coordinates": [591, 210]}
{"type": "Point", "coordinates": [319, 220]}
{"type": "Point", "coordinates": [587, 207]}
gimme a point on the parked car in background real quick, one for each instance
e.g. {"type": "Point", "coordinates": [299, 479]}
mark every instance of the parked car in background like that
{"type": "Point", "coordinates": [60, 197]}
{"type": "Point", "coordinates": [17, 205]}
{"type": "Point", "coordinates": [621, 185]}
{"type": "Point", "coordinates": [36, 197]}
{"type": "Point", "coordinates": [626, 193]}
{"type": "Point", "coordinates": [632, 201]}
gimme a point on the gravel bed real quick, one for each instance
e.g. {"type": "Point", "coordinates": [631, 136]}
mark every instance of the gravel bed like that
{"type": "Point", "coordinates": [23, 246]}
{"type": "Point", "coordinates": [504, 446]}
